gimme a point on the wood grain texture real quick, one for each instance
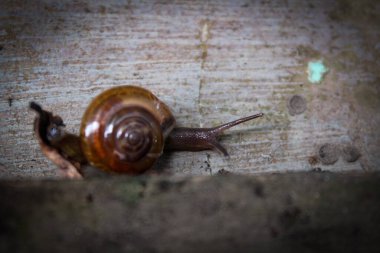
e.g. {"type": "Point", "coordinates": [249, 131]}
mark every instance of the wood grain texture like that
{"type": "Point", "coordinates": [211, 62]}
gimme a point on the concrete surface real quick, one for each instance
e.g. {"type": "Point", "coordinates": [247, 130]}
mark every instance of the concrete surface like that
{"type": "Point", "coordinates": [211, 62]}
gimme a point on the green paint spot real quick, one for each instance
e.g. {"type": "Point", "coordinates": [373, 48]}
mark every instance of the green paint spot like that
{"type": "Point", "coordinates": [316, 70]}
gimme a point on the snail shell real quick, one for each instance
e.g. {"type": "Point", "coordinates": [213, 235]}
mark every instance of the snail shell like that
{"type": "Point", "coordinates": [124, 129]}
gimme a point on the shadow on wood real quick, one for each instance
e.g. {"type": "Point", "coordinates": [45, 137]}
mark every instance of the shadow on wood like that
{"type": "Point", "coordinates": [224, 213]}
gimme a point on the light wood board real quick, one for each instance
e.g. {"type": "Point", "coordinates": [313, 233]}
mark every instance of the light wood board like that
{"type": "Point", "coordinates": [211, 62]}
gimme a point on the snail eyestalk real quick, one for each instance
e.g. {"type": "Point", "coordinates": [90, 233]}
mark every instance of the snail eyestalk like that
{"type": "Point", "coordinates": [197, 139]}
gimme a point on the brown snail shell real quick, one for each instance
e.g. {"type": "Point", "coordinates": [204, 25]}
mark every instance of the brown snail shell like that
{"type": "Point", "coordinates": [124, 130]}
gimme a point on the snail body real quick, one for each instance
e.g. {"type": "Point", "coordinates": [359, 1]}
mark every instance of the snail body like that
{"type": "Point", "coordinates": [125, 130]}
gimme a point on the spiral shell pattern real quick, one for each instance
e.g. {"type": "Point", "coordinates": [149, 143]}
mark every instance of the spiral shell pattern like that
{"type": "Point", "coordinates": [124, 130]}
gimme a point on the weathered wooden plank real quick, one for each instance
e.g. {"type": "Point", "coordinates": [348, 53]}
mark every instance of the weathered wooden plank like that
{"type": "Point", "coordinates": [211, 62]}
{"type": "Point", "coordinates": [306, 212]}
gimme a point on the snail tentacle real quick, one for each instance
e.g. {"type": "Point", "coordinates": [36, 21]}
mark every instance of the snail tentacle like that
{"type": "Point", "coordinates": [197, 139]}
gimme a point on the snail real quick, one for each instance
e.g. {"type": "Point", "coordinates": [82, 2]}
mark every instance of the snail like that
{"type": "Point", "coordinates": [124, 129]}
